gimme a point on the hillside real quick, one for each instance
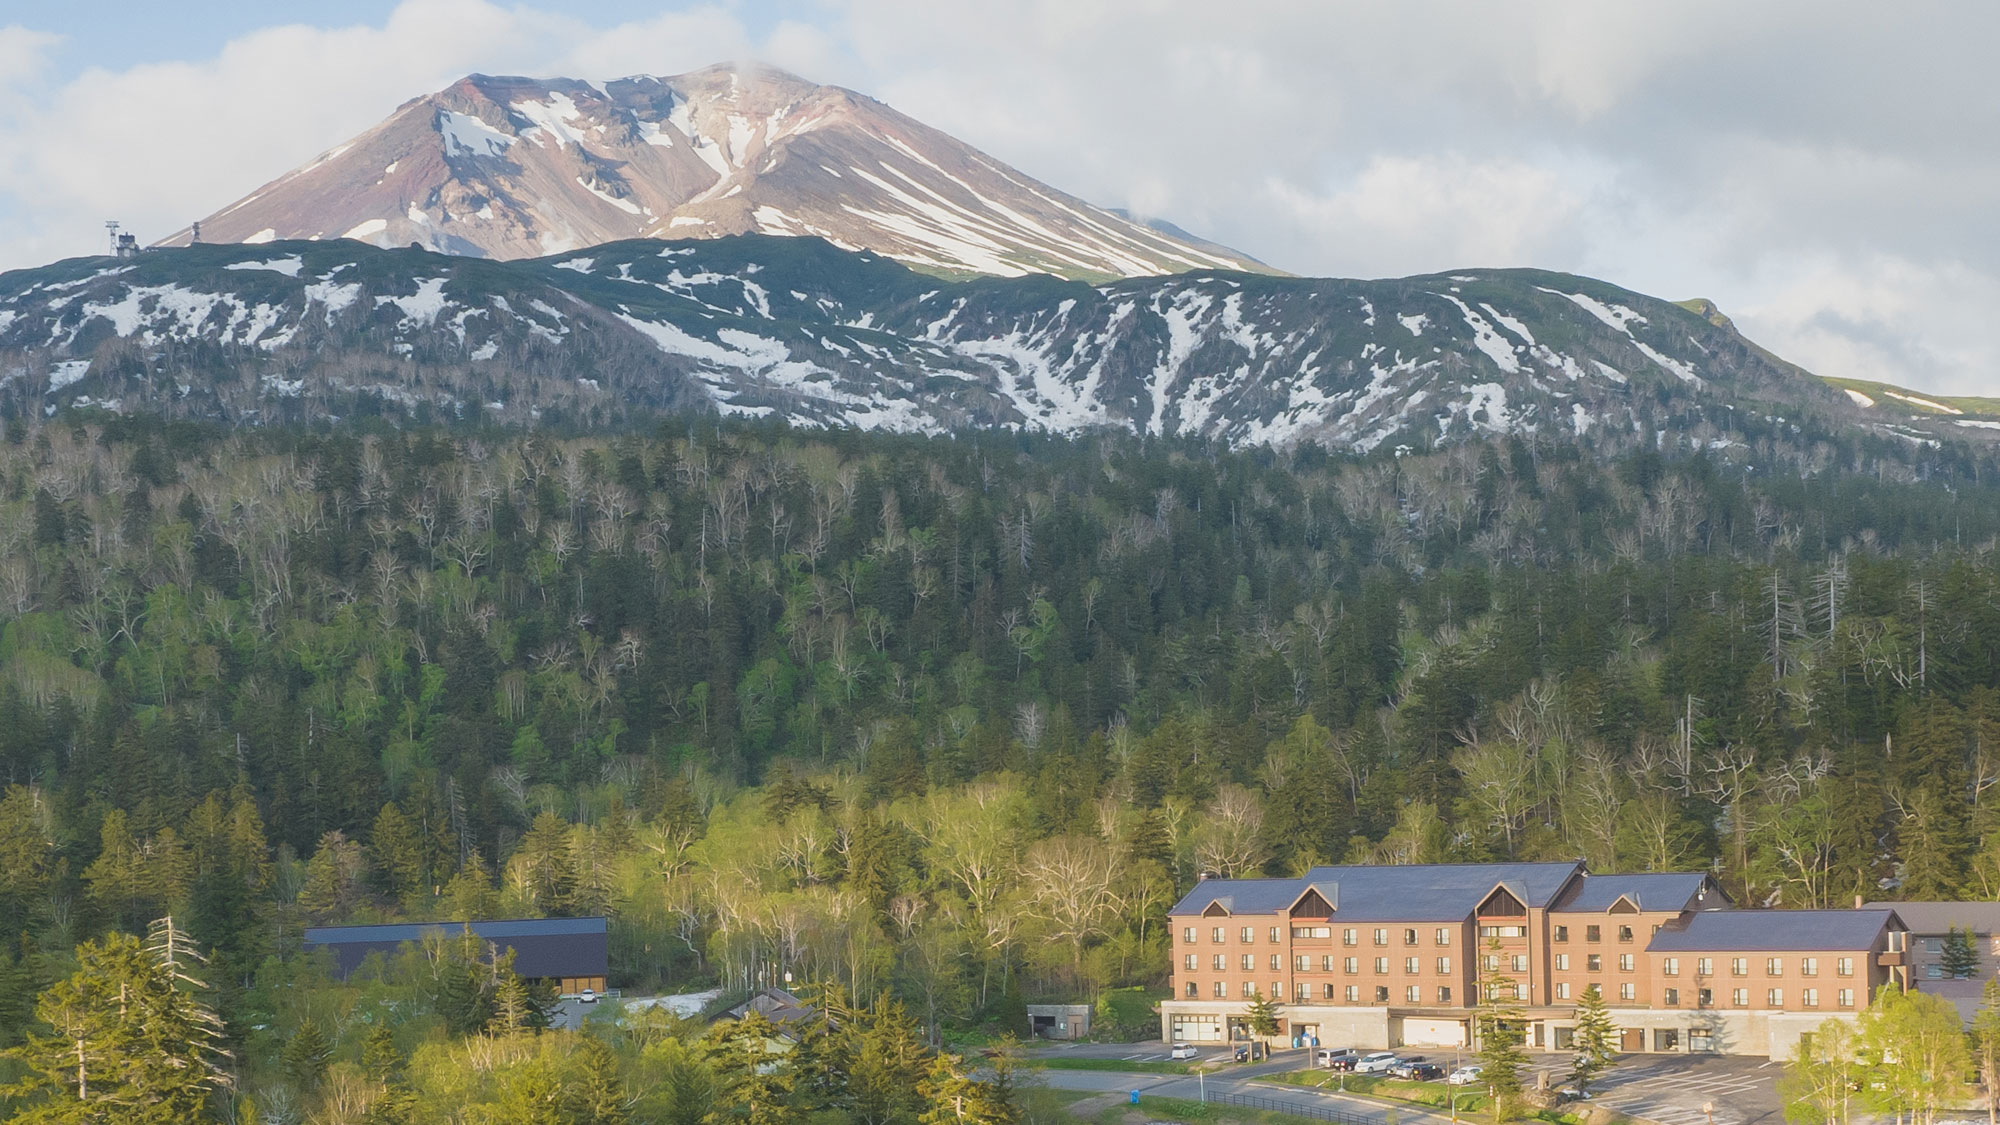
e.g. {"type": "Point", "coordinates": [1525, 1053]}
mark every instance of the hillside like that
{"type": "Point", "coordinates": [510, 167]}
{"type": "Point", "coordinates": [799, 330]}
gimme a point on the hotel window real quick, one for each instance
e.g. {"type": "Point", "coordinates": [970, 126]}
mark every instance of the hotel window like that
{"type": "Point", "coordinates": [1249, 934]}
{"type": "Point", "coordinates": [1592, 933]}
{"type": "Point", "coordinates": [1444, 994]}
{"type": "Point", "coordinates": [1193, 990]}
{"type": "Point", "coordinates": [1301, 992]}
{"type": "Point", "coordinates": [1562, 962]}
{"type": "Point", "coordinates": [1414, 994]}
{"type": "Point", "coordinates": [1808, 966]}
{"type": "Point", "coordinates": [1410, 965]}
{"type": "Point", "coordinates": [1353, 994]}
{"type": "Point", "coordinates": [1933, 945]}
{"type": "Point", "coordinates": [1809, 997]}
{"type": "Point", "coordinates": [1845, 998]}
{"type": "Point", "coordinates": [1219, 961]}
{"type": "Point", "coordinates": [1670, 966]}
{"type": "Point", "coordinates": [1188, 962]}
{"type": "Point", "coordinates": [1704, 966]}
{"type": "Point", "coordinates": [1249, 990]}
{"type": "Point", "coordinates": [1277, 962]}
{"type": "Point", "coordinates": [1739, 966]}
{"type": "Point", "coordinates": [1593, 962]}
{"type": "Point", "coordinates": [1671, 997]}
{"type": "Point", "coordinates": [1301, 963]}
{"type": "Point", "coordinates": [1740, 997]}
{"type": "Point", "coordinates": [1326, 992]}
{"type": "Point", "coordinates": [1843, 966]}
{"type": "Point", "coordinates": [1381, 966]}
{"type": "Point", "coordinates": [1381, 994]}
{"type": "Point", "coordinates": [1520, 962]}
{"type": "Point", "coordinates": [1274, 935]}
{"type": "Point", "coordinates": [1381, 936]}
{"type": "Point", "coordinates": [1492, 963]}
{"type": "Point", "coordinates": [1774, 998]}
{"type": "Point", "coordinates": [1312, 931]}
{"type": "Point", "coordinates": [1249, 961]}
{"type": "Point", "coordinates": [1221, 990]}
{"type": "Point", "coordinates": [1774, 967]}
{"type": "Point", "coordinates": [1187, 935]}
{"type": "Point", "coordinates": [1520, 991]}
{"type": "Point", "coordinates": [1277, 992]}
{"type": "Point", "coordinates": [1326, 963]}
{"type": "Point", "coordinates": [1215, 935]}
{"type": "Point", "coordinates": [1443, 935]}
{"type": "Point", "coordinates": [1410, 936]}
{"type": "Point", "coordinates": [1625, 933]}
{"type": "Point", "coordinates": [1560, 933]}
{"type": "Point", "coordinates": [1625, 962]}
{"type": "Point", "coordinates": [1347, 936]}
{"type": "Point", "coordinates": [1562, 990]}
{"type": "Point", "coordinates": [1703, 997]}
{"type": "Point", "coordinates": [1626, 991]}
{"type": "Point", "coordinates": [1444, 966]}
{"type": "Point", "coordinates": [1351, 966]}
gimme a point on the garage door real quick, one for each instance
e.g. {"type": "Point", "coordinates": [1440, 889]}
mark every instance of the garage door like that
{"type": "Point", "coordinates": [1433, 1033]}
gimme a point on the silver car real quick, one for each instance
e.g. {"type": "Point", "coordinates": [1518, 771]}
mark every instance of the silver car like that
{"type": "Point", "coordinates": [1377, 1063]}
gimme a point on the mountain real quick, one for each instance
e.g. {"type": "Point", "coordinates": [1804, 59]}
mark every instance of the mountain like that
{"type": "Point", "coordinates": [796, 328]}
{"type": "Point", "coordinates": [520, 167]}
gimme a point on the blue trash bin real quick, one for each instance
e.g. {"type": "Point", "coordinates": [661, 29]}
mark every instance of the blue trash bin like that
{"type": "Point", "coordinates": [1135, 1097]}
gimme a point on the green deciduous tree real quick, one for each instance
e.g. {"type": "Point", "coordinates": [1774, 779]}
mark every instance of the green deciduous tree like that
{"type": "Point", "coordinates": [1916, 1048]}
{"type": "Point", "coordinates": [1819, 1083]}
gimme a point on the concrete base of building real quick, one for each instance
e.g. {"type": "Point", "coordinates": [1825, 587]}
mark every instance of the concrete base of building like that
{"type": "Point", "coordinates": [1773, 1035]}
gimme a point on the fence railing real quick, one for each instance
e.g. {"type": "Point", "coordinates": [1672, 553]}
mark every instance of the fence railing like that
{"type": "Point", "coordinates": [1296, 1109]}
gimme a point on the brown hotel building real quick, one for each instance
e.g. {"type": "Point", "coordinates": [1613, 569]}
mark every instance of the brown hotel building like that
{"type": "Point", "coordinates": [1392, 956]}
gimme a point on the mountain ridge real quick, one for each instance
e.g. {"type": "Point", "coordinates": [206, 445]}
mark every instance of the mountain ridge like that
{"type": "Point", "coordinates": [798, 329]}
{"type": "Point", "coordinates": [511, 167]}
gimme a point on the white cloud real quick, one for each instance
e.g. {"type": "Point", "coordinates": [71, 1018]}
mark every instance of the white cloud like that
{"type": "Point", "coordinates": [1819, 167]}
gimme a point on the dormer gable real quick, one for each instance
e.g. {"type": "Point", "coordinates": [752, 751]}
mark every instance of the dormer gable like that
{"type": "Point", "coordinates": [1318, 900]}
{"type": "Point", "coordinates": [1501, 902]}
{"type": "Point", "coordinates": [1217, 909]}
{"type": "Point", "coordinates": [1623, 904]}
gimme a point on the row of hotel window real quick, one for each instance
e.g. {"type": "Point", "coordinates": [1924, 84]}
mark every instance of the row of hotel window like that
{"type": "Point", "coordinates": [1592, 962]}
{"type": "Point", "coordinates": [1302, 993]}
{"type": "Point", "coordinates": [1350, 935]}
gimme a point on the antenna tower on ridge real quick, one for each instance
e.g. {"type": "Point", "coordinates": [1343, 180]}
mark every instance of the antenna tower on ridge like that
{"type": "Point", "coordinates": [111, 228]}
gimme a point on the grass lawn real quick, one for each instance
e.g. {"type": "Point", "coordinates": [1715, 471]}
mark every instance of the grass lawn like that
{"type": "Point", "coordinates": [1180, 1109]}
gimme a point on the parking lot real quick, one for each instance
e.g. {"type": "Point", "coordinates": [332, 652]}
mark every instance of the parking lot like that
{"type": "Point", "coordinates": [1671, 1089]}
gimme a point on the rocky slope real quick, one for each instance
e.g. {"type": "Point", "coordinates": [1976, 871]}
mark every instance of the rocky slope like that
{"type": "Point", "coordinates": [519, 167]}
{"type": "Point", "coordinates": [798, 329]}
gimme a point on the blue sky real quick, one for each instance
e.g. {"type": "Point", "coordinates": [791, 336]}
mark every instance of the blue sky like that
{"type": "Point", "coordinates": [1826, 170]}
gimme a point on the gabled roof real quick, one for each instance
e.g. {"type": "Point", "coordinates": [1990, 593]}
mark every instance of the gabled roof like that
{"type": "Point", "coordinates": [1653, 891]}
{"type": "Point", "coordinates": [543, 947]}
{"type": "Point", "coordinates": [1439, 892]}
{"type": "Point", "coordinates": [1940, 917]}
{"type": "Point", "coordinates": [1773, 931]}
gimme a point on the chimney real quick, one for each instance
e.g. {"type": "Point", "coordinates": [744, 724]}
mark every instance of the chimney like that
{"type": "Point", "coordinates": [1857, 902]}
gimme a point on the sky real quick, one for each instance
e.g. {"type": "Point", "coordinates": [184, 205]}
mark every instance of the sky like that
{"type": "Point", "coordinates": [1827, 171]}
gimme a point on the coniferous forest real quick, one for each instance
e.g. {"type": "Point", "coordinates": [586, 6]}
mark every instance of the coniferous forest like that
{"type": "Point", "coordinates": [941, 726]}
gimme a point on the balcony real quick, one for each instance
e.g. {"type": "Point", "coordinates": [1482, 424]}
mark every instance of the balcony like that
{"type": "Point", "coordinates": [1893, 959]}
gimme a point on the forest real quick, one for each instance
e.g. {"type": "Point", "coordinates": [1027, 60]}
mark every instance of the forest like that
{"type": "Point", "coordinates": [940, 725]}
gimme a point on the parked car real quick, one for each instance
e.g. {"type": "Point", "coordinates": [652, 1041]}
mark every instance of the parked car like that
{"type": "Point", "coordinates": [1464, 1076]}
{"type": "Point", "coordinates": [587, 996]}
{"type": "Point", "coordinates": [1333, 1057]}
{"type": "Point", "coordinates": [1243, 1052]}
{"type": "Point", "coordinates": [1183, 1051]}
{"type": "Point", "coordinates": [1345, 1061]}
{"type": "Point", "coordinates": [1377, 1063]}
{"type": "Point", "coordinates": [1404, 1066]}
{"type": "Point", "coordinates": [1426, 1072]}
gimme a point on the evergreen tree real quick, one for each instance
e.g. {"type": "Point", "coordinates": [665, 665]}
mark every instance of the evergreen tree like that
{"type": "Point", "coordinates": [126, 1044]}
{"type": "Point", "coordinates": [306, 1055]}
{"type": "Point", "coordinates": [1262, 1019]}
{"type": "Point", "coordinates": [1595, 1040]}
{"type": "Point", "coordinates": [1959, 957]}
{"type": "Point", "coordinates": [1502, 1023]}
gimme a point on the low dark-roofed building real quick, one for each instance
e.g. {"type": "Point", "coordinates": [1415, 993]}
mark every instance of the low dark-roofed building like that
{"type": "Point", "coordinates": [571, 953]}
{"type": "Point", "coordinates": [1773, 931]}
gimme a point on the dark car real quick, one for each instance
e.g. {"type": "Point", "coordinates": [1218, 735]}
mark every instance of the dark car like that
{"type": "Point", "coordinates": [1425, 1072]}
{"type": "Point", "coordinates": [1406, 1067]}
{"type": "Point", "coordinates": [1345, 1060]}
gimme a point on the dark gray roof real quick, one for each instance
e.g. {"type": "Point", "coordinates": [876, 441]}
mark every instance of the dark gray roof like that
{"type": "Point", "coordinates": [543, 947]}
{"type": "Point", "coordinates": [1940, 917]}
{"type": "Point", "coordinates": [1751, 931]}
{"type": "Point", "coordinates": [1661, 890]}
{"type": "Point", "coordinates": [1442, 892]}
